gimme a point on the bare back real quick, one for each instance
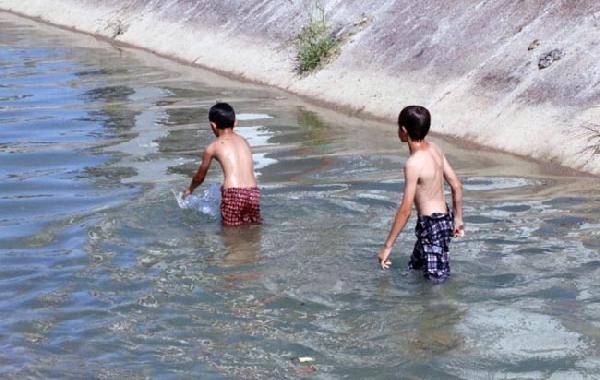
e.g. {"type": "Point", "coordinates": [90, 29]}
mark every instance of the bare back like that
{"type": "Point", "coordinates": [235, 157]}
{"type": "Point", "coordinates": [429, 195]}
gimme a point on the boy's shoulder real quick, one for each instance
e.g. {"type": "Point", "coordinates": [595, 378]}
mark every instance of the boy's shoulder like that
{"type": "Point", "coordinates": [431, 147]}
{"type": "Point", "coordinates": [414, 163]}
{"type": "Point", "coordinates": [231, 142]}
{"type": "Point", "coordinates": [415, 158]}
{"type": "Point", "coordinates": [243, 140]}
{"type": "Point", "coordinates": [422, 157]}
{"type": "Point", "coordinates": [214, 147]}
{"type": "Point", "coordinates": [211, 146]}
{"type": "Point", "coordinates": [436, 147]}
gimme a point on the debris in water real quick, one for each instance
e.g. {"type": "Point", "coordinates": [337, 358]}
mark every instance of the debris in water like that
{"type": "Point", "coordinates": [302, 360]}
{"type": "Point", "coordinates": [148, 301]}
{"type": "Point", "coordinates": [303, 365]}
{"type": "Point", "coordinates": [547, 59]}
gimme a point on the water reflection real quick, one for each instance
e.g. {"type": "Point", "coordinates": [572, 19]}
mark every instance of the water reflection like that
{"type": "Point", "coordinates": [316, 131]}
{"type": "Point", "coordinates": [242, 246]}
{"type": "Point", "coordinates": [242, 254]}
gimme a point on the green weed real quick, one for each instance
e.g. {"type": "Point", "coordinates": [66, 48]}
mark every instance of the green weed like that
{"type": "Point", "coordinates": [315, 42]}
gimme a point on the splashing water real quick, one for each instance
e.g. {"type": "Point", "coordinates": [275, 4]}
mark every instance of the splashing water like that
{"type": "Point", "coordinates": [206, 203]}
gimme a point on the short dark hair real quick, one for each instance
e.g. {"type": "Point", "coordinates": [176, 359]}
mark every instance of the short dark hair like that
{"type": "Point", "coordinates": [416, 120]}
{"type": "Point", "coordinates": [223, 115]}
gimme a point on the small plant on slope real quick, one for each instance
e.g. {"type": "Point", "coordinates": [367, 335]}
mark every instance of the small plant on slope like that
{"type": "Point", "coordinates": [314, 42]}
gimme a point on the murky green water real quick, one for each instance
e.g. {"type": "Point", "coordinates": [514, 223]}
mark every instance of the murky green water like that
{"type": "Point", "coordinates": [103, 276]}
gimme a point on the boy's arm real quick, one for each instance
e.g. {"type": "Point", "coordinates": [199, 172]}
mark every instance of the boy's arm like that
{"type": "Point", "coordinates": [457, 198]}
{"type": "Point", "coordinates": [198, 178]}
{"type": "Point", "coordinates": [411, 175]}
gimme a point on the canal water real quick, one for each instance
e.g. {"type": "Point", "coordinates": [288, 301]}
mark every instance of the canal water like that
{"type": "Point", "coordinates": [102, 275]}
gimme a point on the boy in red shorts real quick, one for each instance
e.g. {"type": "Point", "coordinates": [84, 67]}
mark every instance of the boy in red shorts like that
{"type": "Point", "coordinates": [240, 197]}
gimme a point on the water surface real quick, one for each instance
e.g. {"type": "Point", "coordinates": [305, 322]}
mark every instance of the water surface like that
{"type": "Point", "coordinates": [102, 275]}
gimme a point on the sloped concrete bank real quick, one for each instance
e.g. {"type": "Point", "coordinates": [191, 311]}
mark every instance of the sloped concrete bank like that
{"type": "Point", "coordinates": [520, 76]}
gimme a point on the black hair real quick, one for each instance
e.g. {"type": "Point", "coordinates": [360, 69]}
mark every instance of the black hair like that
{"type": "Point", "coordinates": [416, 120]}
{"type": "Point", "coordinates": [223, 115]}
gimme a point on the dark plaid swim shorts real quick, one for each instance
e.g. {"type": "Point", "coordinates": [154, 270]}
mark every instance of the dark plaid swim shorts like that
{"type": "Point", "coordinates": [240, 206]}
{"type": "Point", "coordinates": [431, 249]}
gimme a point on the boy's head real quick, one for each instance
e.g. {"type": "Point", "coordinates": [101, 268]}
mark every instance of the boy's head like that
{"type": "Point", "coordinates": [222, 116]}
{"type": "Point", "coordinates": [414, 121]}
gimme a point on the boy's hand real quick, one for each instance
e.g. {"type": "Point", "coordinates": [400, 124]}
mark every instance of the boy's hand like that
{"type": "Point", "coordinates": [459, 228]}
{"type": "Point", "coordinates": [383, 258]}
{"type": "Point", "coordinates": [185, 193]}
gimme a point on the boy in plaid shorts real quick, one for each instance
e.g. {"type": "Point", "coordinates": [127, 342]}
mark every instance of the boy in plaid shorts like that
{"type": "Point", "coordinates": [240, 197]}
{"type": "Point", "coordinates": [424, 175]}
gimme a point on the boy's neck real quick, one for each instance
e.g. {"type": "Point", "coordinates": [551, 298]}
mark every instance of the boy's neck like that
{"type": "Point", "coordinates": [414, 146]}
{"type": "Point", "coordinates": [224, 132]}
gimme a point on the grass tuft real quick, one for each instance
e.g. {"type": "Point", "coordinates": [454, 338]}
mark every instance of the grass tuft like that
{"type": "Point", "coordinates": [314, 43]}
{"type": "Point", "coordinates": [593, 139]}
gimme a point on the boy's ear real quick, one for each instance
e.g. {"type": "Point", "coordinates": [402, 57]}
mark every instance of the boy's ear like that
{"type": "Point", "coordinates": [213, 125]}
{"type": "Point", "coordinates": [236, 123]}
{"type": "Point", "coordinates": [403, 134]}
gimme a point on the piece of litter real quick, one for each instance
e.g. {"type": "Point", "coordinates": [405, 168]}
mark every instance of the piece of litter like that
{"type": "Point", "coordinates": [305, 359]}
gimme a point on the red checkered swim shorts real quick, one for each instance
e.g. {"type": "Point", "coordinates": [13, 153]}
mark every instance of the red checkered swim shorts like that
{"type": "Point", "coordinates": [240, 206]}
